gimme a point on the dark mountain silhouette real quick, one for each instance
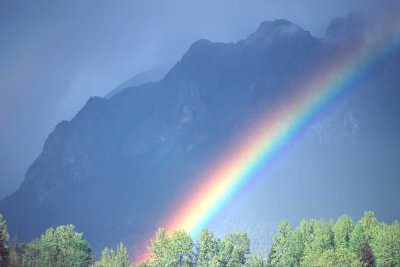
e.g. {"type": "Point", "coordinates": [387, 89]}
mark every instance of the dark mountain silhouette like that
{"type": "Point", "coordinates": [119, 166]}
{"type": "Point", "coordinates": [151, 75]}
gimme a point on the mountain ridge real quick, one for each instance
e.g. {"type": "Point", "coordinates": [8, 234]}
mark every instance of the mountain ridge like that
{"type": "Point", "coordinates": [107, 170]}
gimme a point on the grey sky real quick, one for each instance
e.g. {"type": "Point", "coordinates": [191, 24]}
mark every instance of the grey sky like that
{"type": "Point", "coordinates": [56, 54]}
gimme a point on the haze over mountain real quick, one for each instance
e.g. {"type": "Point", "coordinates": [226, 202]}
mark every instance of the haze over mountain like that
{"type": "Point", "coordinates": [151, 75]}
{"type": "Point", "coordinates": [116, 169]}
{"type": "Point", "coordinates": [56, 54]}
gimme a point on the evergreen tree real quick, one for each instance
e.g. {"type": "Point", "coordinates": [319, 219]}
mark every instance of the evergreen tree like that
{"type": "Point", "coordinates": [224, 256]}
{"type": "Point", "coordinates": [332, 258]}
{"type": "Point", "coordinates": [158, 250]}
{"type": "Point", "coordinates": [50, 254]}
{"type": "Point", "coordinates": [300, 240]}
{"type": "Point", "coordinates": [366, 255]}
{"type": "Point", "coordinates": [241, 246]}
{"type": "Point", "coordinates": [32, 253]}
{"type": "Point", "coordinates": [323, 236]}
{"type": "Point", "coordinates": [59, 247]}
{"type": "Point", "coordinates": [181, 248]}
{"type": "Point", "coordinates": [233, 250]}
{"type": "Point", "coordinates": [122, 257]}
{"type": "Point", "coordinates": [172, 251]}
{"type": "Point", "coordinates": [207, 247]}
{"type": "Point", "coordinates": [369, 222]}
{"type": "Point", "coordinates": [386, 245]}
{"type": "Point", "coordinates": [78, 253]}
{"type": "Point", "coordinates": [271, 258]}
{"type": "Point", "coordinates": [281, 244]}
{"type": "Point", "coordinates": [357, 238]}
{"type": "Point", "coordinates": [255, 260]}
{"type": "Point", "coordinates": [4, 238]}
{"type": "Point", "coordinates": [342, 231]}
{"type": "Point", "coordinates": [16, 253]}
{"type": "Point", "coordinates": [107, 258]}
{"type": "Point", "coordinates": [362, 236]}
{"type": "Point", "coordinates": [308, 250]}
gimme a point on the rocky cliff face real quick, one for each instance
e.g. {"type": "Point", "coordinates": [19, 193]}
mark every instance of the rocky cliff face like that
{"type": "Point", "coordinates": [117, 167]}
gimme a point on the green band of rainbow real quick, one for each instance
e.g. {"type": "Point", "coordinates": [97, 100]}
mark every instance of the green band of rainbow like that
{"type": "Point", "coordinates": [241, 164]}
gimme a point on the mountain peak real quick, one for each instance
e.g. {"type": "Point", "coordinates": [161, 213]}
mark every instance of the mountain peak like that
{"type": "Point", "coordinates": [271, 31]}
{"type": "Point", "coordinates": [280, 25]}
{"type": "Point", "coordinates": [151, 142]}
{"type": "Point", "coordinates": [348, 30]}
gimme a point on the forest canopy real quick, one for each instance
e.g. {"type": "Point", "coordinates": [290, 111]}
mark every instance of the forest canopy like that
{"type": "Point", "coordinates": [312, 243]}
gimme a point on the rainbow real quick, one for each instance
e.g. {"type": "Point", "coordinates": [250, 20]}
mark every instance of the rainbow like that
{"type": "Point", "coordinates": [242, 163]}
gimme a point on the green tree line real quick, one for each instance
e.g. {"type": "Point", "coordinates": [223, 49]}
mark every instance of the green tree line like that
{"type": "Point", "coordinates": [312, 243]}
{"type": "Point", "coordinates": [340, 243]}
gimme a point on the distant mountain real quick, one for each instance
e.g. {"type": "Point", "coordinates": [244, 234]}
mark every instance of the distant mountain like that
{"type": "Point", "coordinates": [151, 75]}
{"type": "Point", "coordinates": [116, 169]}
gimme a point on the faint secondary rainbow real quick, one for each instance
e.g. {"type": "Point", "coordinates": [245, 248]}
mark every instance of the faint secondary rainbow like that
{"type": "Point", "coordinates": [240, 164]}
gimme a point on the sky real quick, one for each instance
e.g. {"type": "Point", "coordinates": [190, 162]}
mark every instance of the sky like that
{"type": "Point", "coordinates": [54, 55]}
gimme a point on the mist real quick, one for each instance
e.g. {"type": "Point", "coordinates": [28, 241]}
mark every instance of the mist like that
{"type": "Point", "coordinates": [55, 55]}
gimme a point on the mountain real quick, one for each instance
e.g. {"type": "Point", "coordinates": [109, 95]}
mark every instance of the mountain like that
{"type": "Point", "coordinates": [120, 165]}
{"type": "Point", "coordinates": [151, 75]}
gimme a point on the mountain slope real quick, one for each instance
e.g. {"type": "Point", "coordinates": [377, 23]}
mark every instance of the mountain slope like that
{"type": "Point", "coordinates": [119, 166]}
{"type": "Point", "coordinates": [151, 75]}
